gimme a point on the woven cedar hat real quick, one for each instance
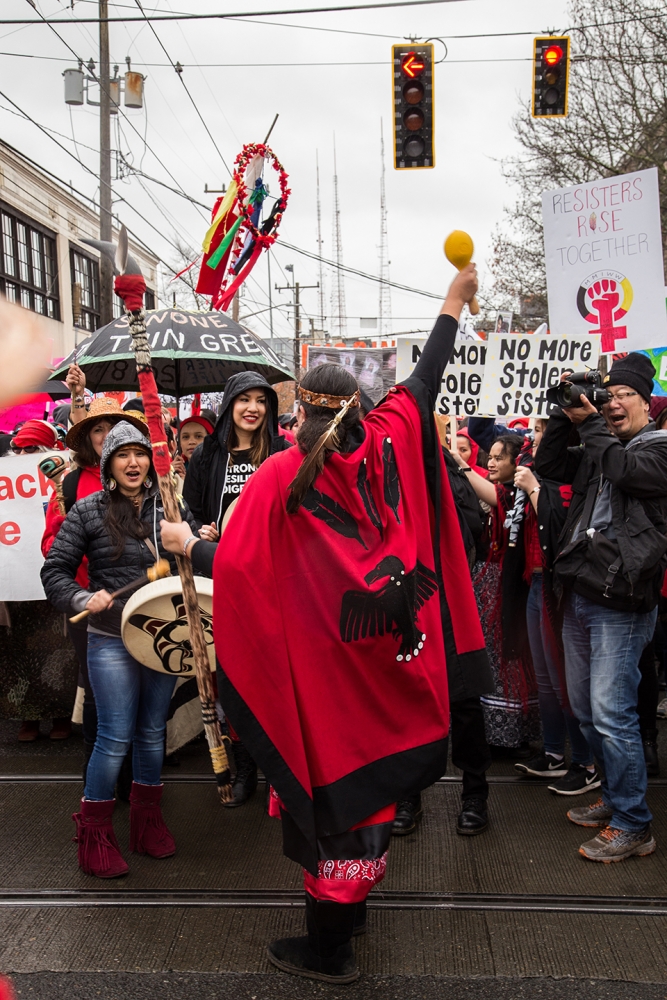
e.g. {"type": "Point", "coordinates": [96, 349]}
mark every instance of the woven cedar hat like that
{"type": "Point", "coordinates": [104, 408]}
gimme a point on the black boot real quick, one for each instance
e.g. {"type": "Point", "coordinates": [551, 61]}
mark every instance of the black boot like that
{"type": "Point", "coordinates": [360, 925]}
{"type": "Point", "coordinates": [326, 953]}
{"type": "Point", "coordinates": [245, 780]}
{"type": "Point", "coordinates": [650, 741]}
{"type": "Point", "coordinates": [408, 814]}
{"type": "Point", "coordinates": [473, 817]}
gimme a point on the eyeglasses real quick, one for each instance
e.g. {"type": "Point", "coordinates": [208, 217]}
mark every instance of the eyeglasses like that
{"type": "Point", "coordinates": [29, 449]}
{"type": "Point", "coordinates": [621, 396]}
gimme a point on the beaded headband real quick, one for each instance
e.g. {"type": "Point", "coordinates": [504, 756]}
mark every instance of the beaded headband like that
{"type": "Point", "coordinates": [328, 400]}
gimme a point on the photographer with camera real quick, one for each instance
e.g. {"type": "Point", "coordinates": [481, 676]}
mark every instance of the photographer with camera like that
{"type": "Point", "coordinates": [610, 564]}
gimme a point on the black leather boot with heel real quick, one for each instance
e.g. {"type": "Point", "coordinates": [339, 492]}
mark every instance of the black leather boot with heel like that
{"type": "Point", "coordinates": [326, 954]}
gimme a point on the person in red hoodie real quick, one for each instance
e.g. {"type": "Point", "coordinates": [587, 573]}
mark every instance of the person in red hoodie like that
{"type": "Point", "coordinates": [85, 440]}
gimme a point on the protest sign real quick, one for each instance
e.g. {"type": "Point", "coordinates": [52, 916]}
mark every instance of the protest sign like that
{"type": "Point", "coordinates": [374, 368]}
{"type": "Point", "coordinates": [603, 248]}
{"type": "Point", "coordinates": [461, 380]}
{"type": "Point", "coordinates": [658, 358]}
{"type": "Point", "coordinates": [520, 367]}
{"type": "Point", "coordinates": [503, 322]}
{"type": "Point", "coordinates": [24, 494]}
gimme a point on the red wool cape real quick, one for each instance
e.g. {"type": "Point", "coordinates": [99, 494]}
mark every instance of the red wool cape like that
{"type": "Point", "coordinates": [334, 676]}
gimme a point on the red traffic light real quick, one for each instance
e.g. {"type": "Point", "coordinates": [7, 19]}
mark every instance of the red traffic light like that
{"type": "Point", "coordinates": [412, 65]}
{"type": "Point", "coordinates": [552, 55]}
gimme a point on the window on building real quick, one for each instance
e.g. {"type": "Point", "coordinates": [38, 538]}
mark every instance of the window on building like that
{"type": "Point", "coordinates": [28, 265]}
{"type": "Point", "coordinates": [119, 308]}
{"type": "Point", "coordinates": [85, 290]}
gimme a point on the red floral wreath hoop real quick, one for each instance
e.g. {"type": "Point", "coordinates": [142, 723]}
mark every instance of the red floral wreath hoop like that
{"type": "Point", "coordinates": [249, 151]}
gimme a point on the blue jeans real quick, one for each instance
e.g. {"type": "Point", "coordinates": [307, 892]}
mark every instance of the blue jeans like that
{"type": "Point", "coordinates": [602, 651]}
{"type": "Point", "coordinates": [556, 718]}
{"type": "Point", "coordinates": [132, 706]}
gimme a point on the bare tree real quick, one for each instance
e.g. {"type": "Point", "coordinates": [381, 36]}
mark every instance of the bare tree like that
{"type": "Point", "coordinates": [617, 123]}
{"type": "Point", "coordinates": [182, 292]}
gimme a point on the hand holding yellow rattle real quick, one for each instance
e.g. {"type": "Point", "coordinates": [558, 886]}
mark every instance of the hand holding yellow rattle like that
{"type": "Point", "coordinates": [459, 249]}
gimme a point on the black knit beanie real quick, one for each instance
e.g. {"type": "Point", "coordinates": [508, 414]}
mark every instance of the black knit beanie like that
{"type": "Point", "coordinates": [635, 370]}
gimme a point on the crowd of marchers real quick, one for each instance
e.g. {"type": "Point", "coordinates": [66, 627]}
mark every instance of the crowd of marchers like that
{"type": "Point", "coordinates": [383, 589]}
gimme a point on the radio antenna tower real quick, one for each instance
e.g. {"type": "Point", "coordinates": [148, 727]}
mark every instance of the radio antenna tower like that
{"type": "Point", "coordinates": [384, 309]}
{"type": "Point", "coordinates": [320, 241]}
{"type": "Point", "coordinates": [338, 313]}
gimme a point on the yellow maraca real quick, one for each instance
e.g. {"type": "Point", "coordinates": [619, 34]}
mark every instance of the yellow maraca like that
{"type": "Point", "coordinates": [459, 249]}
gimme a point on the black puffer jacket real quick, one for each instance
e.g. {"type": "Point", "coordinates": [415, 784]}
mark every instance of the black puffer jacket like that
{"type": "Point", "coordinates": [207, 469]}
{"type": "Point", "coordinates": [84, 534]}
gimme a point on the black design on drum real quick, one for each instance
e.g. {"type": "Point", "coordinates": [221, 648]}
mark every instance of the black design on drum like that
{"type": "Point", "coordinates": [171, 638]}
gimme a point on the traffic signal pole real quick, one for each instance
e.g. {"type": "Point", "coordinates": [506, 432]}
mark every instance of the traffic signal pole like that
{"type": "Point", "coordinates": [106, 268]}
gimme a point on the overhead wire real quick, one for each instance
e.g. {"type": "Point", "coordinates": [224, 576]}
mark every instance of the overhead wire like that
{"type": "Point", "coordinates": [119, 109]}
{"type": "Point", "coordinates": [185, 87]}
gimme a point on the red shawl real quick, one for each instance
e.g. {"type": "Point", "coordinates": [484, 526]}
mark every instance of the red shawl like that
{"type": "Point", "coordinates": [474, 452]}
{"type": "Point", "coordinates": [331, 625]}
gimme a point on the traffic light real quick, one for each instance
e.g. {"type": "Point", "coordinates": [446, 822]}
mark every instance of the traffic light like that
{"type": "Point", "coordinates": [414, 145]}
{"type": "Point", "coordinates": [551, 71]}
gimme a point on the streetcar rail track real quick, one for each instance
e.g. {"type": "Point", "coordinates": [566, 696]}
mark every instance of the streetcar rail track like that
{"type": "Point", "coordinates": [293, 899]}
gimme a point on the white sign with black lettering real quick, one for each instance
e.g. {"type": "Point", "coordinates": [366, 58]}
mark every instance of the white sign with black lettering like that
{"type": "Point", "coordinates": [461, 380]}
{"type": "Point", "coordinates": [520, 367]}
{"type": "Point", "coordinates": [603, 248]}
{"type": "Point", "coordinates": [24, 494]}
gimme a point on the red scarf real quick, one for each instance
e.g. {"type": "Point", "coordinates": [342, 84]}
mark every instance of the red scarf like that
{"type": "Point", "coordinates": [343, 720]}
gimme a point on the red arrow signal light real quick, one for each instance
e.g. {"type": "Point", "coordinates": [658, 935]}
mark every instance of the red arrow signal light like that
{"type": "Point", "coordinates": [412, 65]}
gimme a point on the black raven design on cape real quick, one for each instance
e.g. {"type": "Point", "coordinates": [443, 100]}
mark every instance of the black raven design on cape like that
{"type": "Point", "coordinates": [326, 509]}
{"type": "Point", "coordinates": [392, 488]}
{"type": "Point", "coordinates": [393, 608]}
{"type": "Point", "coordinates": [365, 492]}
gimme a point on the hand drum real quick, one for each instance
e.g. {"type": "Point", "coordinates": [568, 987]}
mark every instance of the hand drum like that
{"type": "Point", "coordinates": [459, 249]}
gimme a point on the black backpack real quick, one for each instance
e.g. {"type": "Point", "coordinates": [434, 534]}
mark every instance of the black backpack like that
{"type": "Point", "coordinates": [70, 487]}
{"type": "Point", "coordinates": [471, 516]}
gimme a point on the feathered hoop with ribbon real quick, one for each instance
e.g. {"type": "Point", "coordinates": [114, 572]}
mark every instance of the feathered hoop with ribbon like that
{"type": "Point", "coordinates": [235, 239]}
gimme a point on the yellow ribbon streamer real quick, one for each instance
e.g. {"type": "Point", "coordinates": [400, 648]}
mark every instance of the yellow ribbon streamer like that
{"type": "Point", "coordinates": [225, 206]}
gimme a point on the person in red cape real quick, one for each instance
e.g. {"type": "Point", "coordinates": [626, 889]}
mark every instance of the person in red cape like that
{"type": "Point", "coordinates": [342, 696]}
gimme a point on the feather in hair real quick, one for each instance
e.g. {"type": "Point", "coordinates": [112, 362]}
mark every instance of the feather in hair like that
{"type": "Point", "coordinates": [313, 463]}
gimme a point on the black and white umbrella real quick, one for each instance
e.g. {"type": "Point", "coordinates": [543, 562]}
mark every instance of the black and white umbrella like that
{"type": "Point", "coordinates": [190, 351]}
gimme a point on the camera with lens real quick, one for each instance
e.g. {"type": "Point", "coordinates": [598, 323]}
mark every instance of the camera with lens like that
{"type": "Point", "coordinates": [576, 385]}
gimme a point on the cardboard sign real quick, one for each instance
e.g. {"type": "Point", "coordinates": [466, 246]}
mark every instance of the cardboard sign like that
{"type": "Point", "coordinates": [658, 358]}
{"type": "Point", "coordinates": [603, 247]}
{"type": "Point", "coordinates": [461, 381]}
{"type": "Point", "coordinates": [24, 495]}
{"type": "Point", "coordinates": [374, 368]}
{"type": "Point", "coordinates": [520, 367]}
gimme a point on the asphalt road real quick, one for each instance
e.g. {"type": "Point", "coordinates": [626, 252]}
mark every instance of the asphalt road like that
{"type": "Point", "coordinates": [227, 986]}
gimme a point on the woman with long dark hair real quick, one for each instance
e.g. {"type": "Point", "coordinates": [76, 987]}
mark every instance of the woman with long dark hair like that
{"type": "Point", "coordinates": [245, 435]}
{"type": "Point", "coordinates": [85, 439]}
{"type": "Point", "coordinates": [118, 531]}
{"type": "Point", "coordinates": [341, 695]}
{"type": "Point", "coordinates": [501, 586]}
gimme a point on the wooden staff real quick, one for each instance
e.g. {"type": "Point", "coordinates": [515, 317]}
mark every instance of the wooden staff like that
{"type": "Point", "coordinates": [127, 286]}
{"type": "Point", "coordinates": [54, 468]}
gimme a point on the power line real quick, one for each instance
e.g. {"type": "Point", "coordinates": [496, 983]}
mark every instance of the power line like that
{"type": "Point", "coordinates": [272, 65]}
{"type": "Point", "coordinates": [99, 82]}
{"type": "Point", "coordinates": [359, 274]}
{"type": "Point", "coordinates": [179, 73]}
{"type": "Point", "coordinates": [251, 13]}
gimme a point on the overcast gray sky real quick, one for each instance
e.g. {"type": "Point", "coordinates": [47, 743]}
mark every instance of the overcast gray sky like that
{"type": "Point", "coordinates": [477, 94]}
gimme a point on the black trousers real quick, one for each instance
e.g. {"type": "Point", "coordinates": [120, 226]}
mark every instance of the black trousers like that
{"type": "Point", "coordinates": [470, 751]}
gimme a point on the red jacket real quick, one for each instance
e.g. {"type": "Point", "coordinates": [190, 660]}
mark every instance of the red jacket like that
{"type": "Point", "coordinates": [89, 482]}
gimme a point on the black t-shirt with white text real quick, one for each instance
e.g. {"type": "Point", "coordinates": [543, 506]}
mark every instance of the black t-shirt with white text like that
{"type": "Point", "coordinates": [238, 472]}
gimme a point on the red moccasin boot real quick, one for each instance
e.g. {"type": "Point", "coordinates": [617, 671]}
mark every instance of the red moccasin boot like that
{"type": "Point", "coordinates": [99, 853]}
{"type": "Point", "coordinates": [149, 834]}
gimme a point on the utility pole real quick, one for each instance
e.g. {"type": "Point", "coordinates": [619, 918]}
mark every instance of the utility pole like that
{"type": "Point", "coordinates": [295, 288]}
{"type": "Point", "coordinates": [106, 268]}
{"type": "Point", "coordinates": [384, 310]}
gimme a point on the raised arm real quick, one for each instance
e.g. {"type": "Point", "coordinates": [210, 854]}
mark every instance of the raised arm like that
{"type": "Point", "coordinates": [439, 346]}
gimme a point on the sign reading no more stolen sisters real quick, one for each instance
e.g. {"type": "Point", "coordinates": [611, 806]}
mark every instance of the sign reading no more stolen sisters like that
{"type": "Point", "coordinates": [603, 247]}
{"type": "Point", "coordinates": [461, 379]}
{"type": "Point", "coordinates": [520, 367]}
